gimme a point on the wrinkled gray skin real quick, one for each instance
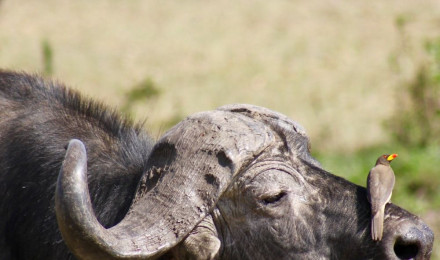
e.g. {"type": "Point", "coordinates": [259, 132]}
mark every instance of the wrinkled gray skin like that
{"type": "Point", "coordinates": [249, 170]}
{"type": "Point", "coordinates": [234, 183]}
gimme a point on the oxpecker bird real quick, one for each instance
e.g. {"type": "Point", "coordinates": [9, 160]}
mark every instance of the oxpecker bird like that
{"type": "Point", "coordinates": [380, 183]}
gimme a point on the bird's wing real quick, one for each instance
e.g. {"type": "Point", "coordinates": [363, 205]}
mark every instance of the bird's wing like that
{"type": "Point", "coordinates": [380, 185]}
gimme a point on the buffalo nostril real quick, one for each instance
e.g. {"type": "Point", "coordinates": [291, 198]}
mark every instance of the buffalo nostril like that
{"type": "Point", "coordinates": [405, 249]}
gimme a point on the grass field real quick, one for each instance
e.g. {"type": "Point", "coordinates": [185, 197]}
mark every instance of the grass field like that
{"type": "Point", "coordinates": [348, 71]}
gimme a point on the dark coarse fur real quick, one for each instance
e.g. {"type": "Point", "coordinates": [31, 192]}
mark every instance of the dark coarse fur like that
{"type": "Point", "coordinates": [37, 119]}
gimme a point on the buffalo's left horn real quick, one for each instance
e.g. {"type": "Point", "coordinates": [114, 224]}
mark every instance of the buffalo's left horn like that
{"type": "Point", "coordinates": [81, 231]}
{"type": "Point", "coordinates": [190, 167]}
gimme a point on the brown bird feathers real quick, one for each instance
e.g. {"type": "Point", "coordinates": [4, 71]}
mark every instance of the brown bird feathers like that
{"type": "Point", "coordinates": [380, 184]}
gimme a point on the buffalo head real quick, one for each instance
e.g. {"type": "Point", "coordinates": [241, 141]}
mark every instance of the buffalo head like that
{"type": "Point", "coordinates": [234, 183]}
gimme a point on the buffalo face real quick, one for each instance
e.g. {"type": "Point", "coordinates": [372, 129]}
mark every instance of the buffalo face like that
{"type": "Point", "coordinates": [281, 211]}
{"type": "Point", "coordinates": [285, 206]}
{"type": "Point", "coordinates": [235, 183]}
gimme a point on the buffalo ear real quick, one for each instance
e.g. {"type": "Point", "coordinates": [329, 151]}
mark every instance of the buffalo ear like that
{"type": "Point", "coordinates": [201, 243]}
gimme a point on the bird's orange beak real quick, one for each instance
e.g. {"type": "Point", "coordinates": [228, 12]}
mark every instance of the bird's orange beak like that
{"type": "Point", "coordinates": [391, 157]}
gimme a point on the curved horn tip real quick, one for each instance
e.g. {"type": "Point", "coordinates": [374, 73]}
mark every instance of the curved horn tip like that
{"type": "Point", "coordinates": [76, 144]}
{"type": "Point", "coordinates": [74, 166]}
{"type": "Point", "coordinates": [72, 192]}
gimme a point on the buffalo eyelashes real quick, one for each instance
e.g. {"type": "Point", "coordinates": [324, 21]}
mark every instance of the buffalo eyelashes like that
{"type": "Point", "coordinates": [274, 198]}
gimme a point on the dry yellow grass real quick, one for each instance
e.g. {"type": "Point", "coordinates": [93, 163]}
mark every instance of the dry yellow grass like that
{"type": "Point", "coordinates": [325, 64]}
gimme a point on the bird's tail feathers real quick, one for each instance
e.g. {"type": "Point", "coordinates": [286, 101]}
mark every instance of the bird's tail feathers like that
{"type": "Point", "coordinates": [377, 225]}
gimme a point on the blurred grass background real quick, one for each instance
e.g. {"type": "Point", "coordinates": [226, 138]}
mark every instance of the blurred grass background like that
{"type": "Point", "coordinates": [363, 77]}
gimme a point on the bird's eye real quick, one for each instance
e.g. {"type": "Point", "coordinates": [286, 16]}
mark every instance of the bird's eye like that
{"type": "Point", "coordinates": [274, 198]}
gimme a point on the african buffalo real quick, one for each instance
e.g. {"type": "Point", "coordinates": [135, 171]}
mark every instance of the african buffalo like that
{"type": "Point", "coordinates": [234, 183]}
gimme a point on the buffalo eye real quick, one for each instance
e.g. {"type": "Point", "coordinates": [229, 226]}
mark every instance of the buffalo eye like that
{"type": "Point", "coordinates": [274, 198]}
